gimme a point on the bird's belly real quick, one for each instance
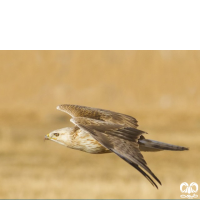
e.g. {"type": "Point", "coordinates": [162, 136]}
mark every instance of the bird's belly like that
{"type": "Point", "coordinates": [83, 141]}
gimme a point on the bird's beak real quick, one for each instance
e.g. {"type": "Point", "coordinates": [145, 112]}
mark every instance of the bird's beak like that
{"type": "Point", "coordinates": [46, 137]}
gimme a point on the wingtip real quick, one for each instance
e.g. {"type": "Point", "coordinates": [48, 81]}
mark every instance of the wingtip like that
{"type": "Point", "coordinates": [72, 120]}
{"type": "Point", "coordinates": [156, 185]}
{"type": "Point", "coordinates": [58, 107]}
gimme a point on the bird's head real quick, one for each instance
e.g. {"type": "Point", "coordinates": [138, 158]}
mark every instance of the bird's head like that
{"type": "Point", "coordinates": [60, 136]}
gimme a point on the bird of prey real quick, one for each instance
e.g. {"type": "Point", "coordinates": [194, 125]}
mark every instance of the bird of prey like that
{"type": "Point", "coordinates": [100, 131]}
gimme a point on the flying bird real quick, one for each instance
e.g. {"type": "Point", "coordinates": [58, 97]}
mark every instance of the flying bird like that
{"type": "Point", "coordinates": [100, 131]}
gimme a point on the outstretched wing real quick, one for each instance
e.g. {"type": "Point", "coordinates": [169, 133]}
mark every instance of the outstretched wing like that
{"type": "Point", "coordinates": [99, 114]}
{"type": "Point", "coordinates": [119, 139]}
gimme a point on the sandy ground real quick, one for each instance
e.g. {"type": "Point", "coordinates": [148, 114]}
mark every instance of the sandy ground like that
{"type": "Point", "coordinates": [32, 168]}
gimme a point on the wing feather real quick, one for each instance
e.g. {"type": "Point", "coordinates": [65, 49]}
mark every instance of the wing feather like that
{"type": "Point", "coordinates": [123, 141]}
{"type": "Point", "coordinates": [98, 114]}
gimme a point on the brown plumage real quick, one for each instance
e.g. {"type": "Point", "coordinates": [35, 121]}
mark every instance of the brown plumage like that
{"type": "Point", "coordinates": [103, 131]}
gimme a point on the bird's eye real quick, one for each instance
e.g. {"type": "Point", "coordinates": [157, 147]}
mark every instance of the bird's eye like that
{"type": "Point", "coordinates": [56, 134]}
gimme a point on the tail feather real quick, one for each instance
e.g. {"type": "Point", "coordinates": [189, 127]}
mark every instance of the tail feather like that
{"type": "Point", "coordinates": [152, 145]}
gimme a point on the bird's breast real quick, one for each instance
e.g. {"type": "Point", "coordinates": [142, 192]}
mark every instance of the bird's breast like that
{"type": "Point", "coordinates": [83, 141]}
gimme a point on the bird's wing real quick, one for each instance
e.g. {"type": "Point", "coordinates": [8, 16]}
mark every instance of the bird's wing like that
{"type": "Point", "coordinates": [121, 140]}
{"type": "Point", "coordinates": [99, 114]}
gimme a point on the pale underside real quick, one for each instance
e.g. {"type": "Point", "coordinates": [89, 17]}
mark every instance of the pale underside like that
{"type": "Point", "coordinates": [80, 139]}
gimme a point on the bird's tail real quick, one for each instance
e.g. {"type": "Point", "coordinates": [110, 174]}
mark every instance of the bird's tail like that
{"type": "Point", "coordinates": [152, 145]}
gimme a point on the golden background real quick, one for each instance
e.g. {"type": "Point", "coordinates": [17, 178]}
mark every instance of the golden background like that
{"type": "Point", "coordinates": [159, 88]}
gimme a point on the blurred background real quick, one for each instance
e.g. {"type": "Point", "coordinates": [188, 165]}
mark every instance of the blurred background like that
{"type": "Point", "coordinates": [159, 88]}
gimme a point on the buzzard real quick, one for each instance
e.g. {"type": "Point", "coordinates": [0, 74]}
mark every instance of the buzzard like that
{"type": "Point", "coordinates": [100, 131]}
